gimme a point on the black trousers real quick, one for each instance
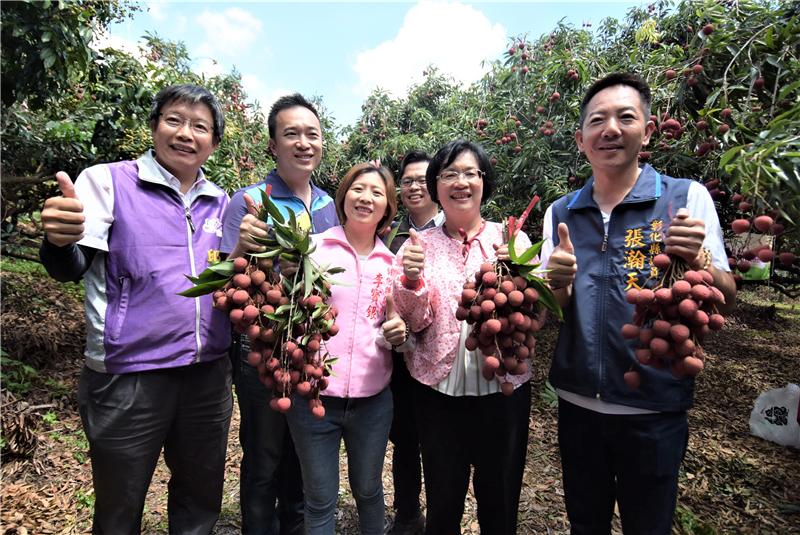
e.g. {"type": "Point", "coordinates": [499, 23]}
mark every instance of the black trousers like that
{"type": "Point", "coordinates": [486, 433]}
{"type": "Point", "coordinates": [270, 481]}
{"type": "Point", "coordinates": [631, 459]}
{"type": "Point", "coordinates": [129, 418]}
{"type": "Point", "coordinates": [406, 462]}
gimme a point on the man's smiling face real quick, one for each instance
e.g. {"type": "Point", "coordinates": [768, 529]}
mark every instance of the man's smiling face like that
{"type": "Point", "coordinates": [615, 129]}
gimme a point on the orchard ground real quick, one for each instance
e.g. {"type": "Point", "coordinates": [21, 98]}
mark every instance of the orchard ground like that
{"type": "Point", "coordinates": [730, 481]}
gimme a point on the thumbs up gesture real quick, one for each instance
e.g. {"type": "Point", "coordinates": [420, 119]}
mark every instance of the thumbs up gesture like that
{"type": "Point", "coordinates": [413, 257]}
{"type": "Point", "coordinates": [62, 216]}
{"type": "Point", "coordinates": [249, 228]}
{"type": "Point", "coordinates": [394, 328]}
{"type": "Point", "coordinates": [562, 265]}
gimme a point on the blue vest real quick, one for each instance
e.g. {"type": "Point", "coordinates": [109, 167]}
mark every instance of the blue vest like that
{"type": "Point", "coordinates": [591, 355]}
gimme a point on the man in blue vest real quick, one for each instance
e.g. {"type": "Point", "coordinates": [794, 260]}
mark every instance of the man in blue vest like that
{"type": "Point", "coordinates": [157, 374]}
{"type": "Point", "coordinates": [270, 469]}
{"type": "Point", "coordinates": [618, 444]}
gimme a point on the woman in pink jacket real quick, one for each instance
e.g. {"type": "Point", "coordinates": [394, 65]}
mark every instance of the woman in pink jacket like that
{"type": "Point", "coordinates": [358, 403]}
{"type": "Point", "coordinates": [464, 421]}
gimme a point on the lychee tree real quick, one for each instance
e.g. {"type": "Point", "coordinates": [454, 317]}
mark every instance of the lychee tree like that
{"type": "Point", "coordinates": [726, 102]}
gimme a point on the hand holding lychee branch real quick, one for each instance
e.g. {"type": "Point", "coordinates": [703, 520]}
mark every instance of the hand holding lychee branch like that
{"type": "Point", "coordinates": [286, 317]}
{"type": "Point", "coordinates": [506, 303]}
{"type": "Point", "coordinates": [685, 237]}
{"type": "Point", "coordinates": [671, 320]}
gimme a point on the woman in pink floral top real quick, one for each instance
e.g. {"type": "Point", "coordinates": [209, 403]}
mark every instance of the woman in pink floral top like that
{"type": "Point", "coordinates": [465, 421]}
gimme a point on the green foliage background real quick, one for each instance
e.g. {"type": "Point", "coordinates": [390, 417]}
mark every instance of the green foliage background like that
{"type": "Point", "coordinates": [66, 106]}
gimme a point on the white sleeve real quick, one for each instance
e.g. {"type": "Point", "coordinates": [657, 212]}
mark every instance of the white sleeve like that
{"type": "Point", "coordinates": [701, 206]}
{"type": "Point", "coordinates": [547, 236]}
{"type": "Point", "coordinates": [94, 189]}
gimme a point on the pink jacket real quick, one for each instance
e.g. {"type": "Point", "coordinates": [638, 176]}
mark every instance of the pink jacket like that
{"type": "Point", "coordinates": [430, 310]}
{"type": "Point", "coordinates": [363, 368]}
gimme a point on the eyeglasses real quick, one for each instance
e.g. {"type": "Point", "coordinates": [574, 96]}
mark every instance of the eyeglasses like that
{"type": "Point", "coordinates": [470, 175]}
{"type": "Point", "coordinates": [201, 128]}
{"type": "Point", "coordinates": [409, 181]}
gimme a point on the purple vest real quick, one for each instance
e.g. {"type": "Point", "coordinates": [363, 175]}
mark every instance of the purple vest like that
{"type": "Point", "coordinates": [151, 249]}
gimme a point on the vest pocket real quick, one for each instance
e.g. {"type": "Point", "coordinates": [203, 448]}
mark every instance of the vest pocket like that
{"type": "Point", "coordinates": [118, 317]}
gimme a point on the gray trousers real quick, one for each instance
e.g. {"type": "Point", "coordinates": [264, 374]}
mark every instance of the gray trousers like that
{"type": "Point", "coordinates": [129, 418]}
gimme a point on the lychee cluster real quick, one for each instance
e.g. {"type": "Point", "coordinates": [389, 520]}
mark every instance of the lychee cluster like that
{"type": "Point", "coordinates": [671, 321]}
{"type": "Point", "coordinates": [504, 311]}
{"type": "Point", "coordinates": [286, 332]}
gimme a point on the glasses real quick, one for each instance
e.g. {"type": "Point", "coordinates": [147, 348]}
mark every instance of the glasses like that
{"type": "Point", "coordinates": [200, 128]}
{"type": "Point", "coordinates": [407, 182]}
{"type": "Point", "coordinates": [470, 175]}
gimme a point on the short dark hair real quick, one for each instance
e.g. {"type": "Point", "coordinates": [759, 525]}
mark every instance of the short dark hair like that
{"type": "Point", "coordinates": [414, 156]}
{"type": "Point", "coordinates": [284, 103]}
{"type": "Point", "coordinates": [391, 195]}
{"type": "Point", "coordinates": [447, 154]}
{"type": "Point", "coordinates": [190, 94]}
{"type": "Point", "coordinates": [618, 78]}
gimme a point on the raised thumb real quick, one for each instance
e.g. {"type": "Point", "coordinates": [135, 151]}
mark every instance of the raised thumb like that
{"type": "Point", "coordinates": [252, 209]}
{"type": "Point", "coordinates": [563, 238]}
{"type": "Point", "coordinates": [65, 185]}
{"type": "Point", "coordinates": [414, 237]}
{"type": "Point", "coordinates": [390, 310]}
{"type": "Point", "coordinates": [683, 213]}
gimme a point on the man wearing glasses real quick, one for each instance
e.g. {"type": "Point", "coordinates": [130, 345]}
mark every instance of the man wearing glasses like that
{"type": "Point", "coordinates": [422, 214]}
{"type": "Point", "coordinates": [156, 373]}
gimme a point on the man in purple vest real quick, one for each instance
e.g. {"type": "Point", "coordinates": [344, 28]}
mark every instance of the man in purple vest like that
{"type": "Point", "coordinates": [156, 373]}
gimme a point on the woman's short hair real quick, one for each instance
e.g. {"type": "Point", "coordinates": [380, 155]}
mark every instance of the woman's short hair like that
{"type": "Point", "coordinates": [447, 154]}
{"type": "Point", "coordinates": [391, 193]}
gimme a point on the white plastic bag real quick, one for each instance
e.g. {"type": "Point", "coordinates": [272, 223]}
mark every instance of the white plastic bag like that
{"type": "Point", "coordinates": [775, 416]}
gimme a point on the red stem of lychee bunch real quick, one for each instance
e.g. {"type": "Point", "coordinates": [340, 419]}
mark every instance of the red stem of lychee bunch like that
{"type": "Point", "coordinates": [268, 190]}
{"type": "Point", "coordinates": [525, 214]}
{"type": "Point", "coordinates": [512, 227]}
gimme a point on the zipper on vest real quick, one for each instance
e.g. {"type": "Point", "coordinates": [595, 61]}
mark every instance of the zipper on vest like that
{"type": "Point", "coordinates": [189, 218]}
{"type": "Point", "coordinates": [189, 233]}
{"type": "Point", "coordinates": [602, 310]}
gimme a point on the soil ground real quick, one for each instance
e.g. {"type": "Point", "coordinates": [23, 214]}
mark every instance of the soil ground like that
{"type": "Point", "coordinates": [731, 481]}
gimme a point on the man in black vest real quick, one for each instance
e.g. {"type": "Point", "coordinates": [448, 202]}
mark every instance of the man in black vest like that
{"type": "Point", "coordinates": [422, 213]}
{"type": "Point", "coordinates": [618, 443]}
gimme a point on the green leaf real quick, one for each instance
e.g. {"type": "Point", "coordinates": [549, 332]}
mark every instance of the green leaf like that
{"type": "Point", "coordinates": [729, 155]}
{"type": "Point", "coordinates": [389, 238]}
{"type": "Point", "coordinates": [308, 276]}
{"type": "Point", "coordinates": [283, 308]}
{"type": "Point", "coordinates": [224, 268]}
{"type": "Point", "coordinates": [204, 288]}
{"type": "Point", "coordinates": [267, 254]}
{"type": "Point", "coordinates": [546, 297]}
{"type": "Point", "coordinates": [529, 253]}
{"type": "Point", "coordinates": [286, 242]}
{"type": "Point", "coordinates": [272, 210]}
{"type": "Point", "coordinates": [303, 244]}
